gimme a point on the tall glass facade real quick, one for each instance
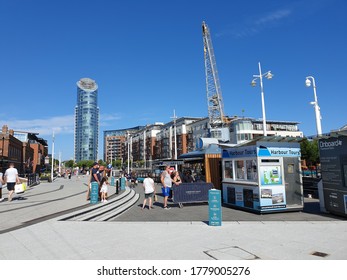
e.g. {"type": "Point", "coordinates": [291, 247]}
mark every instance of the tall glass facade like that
{"type": "Point", "coordinates": [86, 120]}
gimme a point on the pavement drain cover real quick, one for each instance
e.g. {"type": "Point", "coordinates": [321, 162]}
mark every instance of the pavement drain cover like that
{"type": "Point", "coordinates": [320, 254]}
{"type": "Point", "coordinates": [231, 253]}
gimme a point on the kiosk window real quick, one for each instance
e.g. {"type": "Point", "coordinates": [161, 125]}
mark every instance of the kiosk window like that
{"type": "Point", "coordinates": [240, 169]}
{"type": "Point", "coordinates": [252, 173]}
{"type": "Point", "coordinates": [228, 169]}
{"type": "Point", "coordinates": [345, 173]}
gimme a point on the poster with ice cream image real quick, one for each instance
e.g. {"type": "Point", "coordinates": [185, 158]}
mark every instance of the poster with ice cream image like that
{"type": "Point", "coordinates": [270, 175]}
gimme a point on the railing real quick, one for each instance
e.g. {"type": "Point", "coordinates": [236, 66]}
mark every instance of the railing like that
{"type": "Point", "coordinates": [33, 179]}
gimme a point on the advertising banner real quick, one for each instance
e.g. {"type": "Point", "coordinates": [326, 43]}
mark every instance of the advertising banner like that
{"type": "Point", "coordinates": [191, 192]}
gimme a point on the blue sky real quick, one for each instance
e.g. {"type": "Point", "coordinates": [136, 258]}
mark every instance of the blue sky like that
{"type": "Point", "coordinates": [147, 59]}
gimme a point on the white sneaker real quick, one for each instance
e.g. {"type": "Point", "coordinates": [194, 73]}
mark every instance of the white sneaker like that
{"type": "Point", "coordinates": [102, 200]}
{"type": "Point", "coordinates": [2, 199]}
{"type": "Point", "coordinates": [105, 200]}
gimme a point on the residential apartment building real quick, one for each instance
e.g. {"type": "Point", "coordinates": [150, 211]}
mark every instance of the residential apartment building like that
{"type": "Point", "coordinates": [115, 142]}
{"type": "Point", "coordinates": [163, 141]}
{"type": "Point", "coordinates": [244, 129]}
{"type": "Point", "coordinates": [86, 121]}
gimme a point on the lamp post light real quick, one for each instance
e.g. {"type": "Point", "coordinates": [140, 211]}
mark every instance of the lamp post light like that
{"type": "Point", "coordinates": [269, 76]}
{"type": "Point", "coordinates": [315, 104]}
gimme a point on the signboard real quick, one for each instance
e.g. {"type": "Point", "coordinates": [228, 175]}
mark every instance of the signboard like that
{"type": "Point", "coordinates": [215, 207]}
{"type": "Point", "coordinates": [94, 193]}
{"type": "Point", "coordinates": [191, 192]}
{"type": "Point", "coordinates": [333, 158]}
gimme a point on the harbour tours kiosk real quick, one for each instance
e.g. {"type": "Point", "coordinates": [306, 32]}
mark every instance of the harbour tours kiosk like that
{"type": "Point", "coordinates": [263, 175]}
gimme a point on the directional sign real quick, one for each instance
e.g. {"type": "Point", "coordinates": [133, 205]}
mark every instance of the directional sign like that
{"type": "Point", "coordinates": [94, 193]}
{"type": "Point", "coordinates": [215, 207]}
{"type": "Point", "coordinates": [122, 183]}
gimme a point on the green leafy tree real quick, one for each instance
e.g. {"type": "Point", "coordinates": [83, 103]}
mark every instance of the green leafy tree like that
{"type": "Point", "coordinates": [69, 163]}
{"type": "Point", "coordinates": [85, 164]}
{"type": "Point", "coordinates": [310, 152]}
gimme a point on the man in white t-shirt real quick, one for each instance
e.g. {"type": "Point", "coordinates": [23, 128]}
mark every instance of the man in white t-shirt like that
{"type": "Point", "coordinates": [148, 185]}
{"type": "Point", "coordinates": [11, 178]}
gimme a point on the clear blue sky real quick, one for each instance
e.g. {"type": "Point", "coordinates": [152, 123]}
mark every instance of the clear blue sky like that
{"type": "Point", "coordinates": [147, 59]}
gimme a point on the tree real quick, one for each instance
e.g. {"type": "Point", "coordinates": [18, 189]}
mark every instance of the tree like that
{"type": "Point", "coordinates": [69, 163]}
{"type": "Point", "coordinates": [309, 152]}
{"type": "Point", "coordinates": [85, 164]}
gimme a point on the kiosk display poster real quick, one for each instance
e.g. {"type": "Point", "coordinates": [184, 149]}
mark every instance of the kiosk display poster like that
{"type": "Point", "coordinates": [270, 175]}
{"type": "Point", "coordinates": [272, 197]}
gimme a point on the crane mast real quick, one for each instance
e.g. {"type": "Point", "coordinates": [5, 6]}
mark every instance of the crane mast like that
{"type": "Point", "coordinates": [213, 89]}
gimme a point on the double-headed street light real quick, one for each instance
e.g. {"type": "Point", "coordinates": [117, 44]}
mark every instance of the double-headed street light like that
{"type": "Point", "coordinates": [315, 104]}
{"type": "Point", "coordinates": [269, 76]}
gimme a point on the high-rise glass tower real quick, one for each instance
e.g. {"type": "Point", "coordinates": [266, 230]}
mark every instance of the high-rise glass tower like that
{"type": "Point", "coordinates": [86, 120]}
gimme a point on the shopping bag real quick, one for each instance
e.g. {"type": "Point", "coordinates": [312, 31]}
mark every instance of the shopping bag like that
{"type": "Point", "coordinates": [20, 188]}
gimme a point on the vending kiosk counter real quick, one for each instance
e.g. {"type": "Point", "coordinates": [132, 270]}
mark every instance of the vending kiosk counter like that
{"type": "Point", "coordinates": [263, 175]}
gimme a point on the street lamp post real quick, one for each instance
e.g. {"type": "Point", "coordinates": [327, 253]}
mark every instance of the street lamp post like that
{"type": "Point", "coordinates": [269, 76]}
{"type": "Point", "coordinates": [128, 151]}
{"type": "Point", "coordinates": [315, 104]}
{"type": "Point", "coordinates": [175, 136]}
{"type": "Point", "coordinates": [52, 158]}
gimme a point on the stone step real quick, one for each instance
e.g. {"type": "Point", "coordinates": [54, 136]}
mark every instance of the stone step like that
{"type": "Point", "coordinates": [95, 210]}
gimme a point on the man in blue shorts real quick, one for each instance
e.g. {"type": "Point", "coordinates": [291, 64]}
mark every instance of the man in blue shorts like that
{"type": "Point", "coordinates": [166, 182]}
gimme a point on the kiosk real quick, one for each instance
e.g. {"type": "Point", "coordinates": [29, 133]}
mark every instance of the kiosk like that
{"type": "Point", "coordinates": [263, 175]}
{"type": "Point", "coordinates": [205, 161]}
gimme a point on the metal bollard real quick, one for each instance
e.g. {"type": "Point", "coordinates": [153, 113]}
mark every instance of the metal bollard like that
{"type": "Point", "coordinates": [117, 186]}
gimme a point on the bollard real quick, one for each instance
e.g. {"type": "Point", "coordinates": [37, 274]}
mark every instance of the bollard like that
{"type": "Point", "coordinates": [117, 186]}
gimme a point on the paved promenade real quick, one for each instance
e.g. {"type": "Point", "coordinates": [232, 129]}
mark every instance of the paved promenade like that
{"type": "Point", "coordinates": [32, 229]}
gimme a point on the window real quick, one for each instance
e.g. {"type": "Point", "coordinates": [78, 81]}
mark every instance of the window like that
{"type": "Point", "coordinates": [228, 169]}
{"type": "Point", "coordinates": [252, 173]}
{"type": "Point", "coordinates": [240, 169]}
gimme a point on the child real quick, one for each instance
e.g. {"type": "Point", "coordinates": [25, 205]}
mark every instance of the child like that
{"type": "Point", "coordinates": [104, 186]}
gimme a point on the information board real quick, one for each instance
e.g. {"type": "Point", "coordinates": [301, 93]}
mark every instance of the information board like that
{"type": "Point", "coordinates": [122, 183]}
{"type": "Point", "coordinates": [94, 193]}
{"type": "Point", "coordinates": [215, 207]}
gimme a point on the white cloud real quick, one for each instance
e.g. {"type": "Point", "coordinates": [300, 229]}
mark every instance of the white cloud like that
{"type": "Point", "coordinates": [255, 25]}
{"type": "Point", "coordinates": [60, 124]}
{"type": "Point", "coordinates": [273, 17]}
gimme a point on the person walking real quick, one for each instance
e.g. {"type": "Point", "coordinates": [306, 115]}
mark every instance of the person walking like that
{"type": "Point", "coordinates": [166, 182]}
{"type": "Point", "coordinates": [148, 185]}
{"type": "Point", "coordinates": [11, 178]}
{"type": "Point", "coordinates": [1, 183]}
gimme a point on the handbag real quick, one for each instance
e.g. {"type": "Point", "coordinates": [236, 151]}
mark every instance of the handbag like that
{"type": "Point", "coordinates": [20, 188]}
